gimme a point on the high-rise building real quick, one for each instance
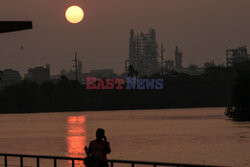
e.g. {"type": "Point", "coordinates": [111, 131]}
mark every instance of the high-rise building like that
{"type": "Point", "coordinates": [143, 52]}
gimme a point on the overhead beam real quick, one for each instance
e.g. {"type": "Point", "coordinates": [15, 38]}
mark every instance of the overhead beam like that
{"type": "Point", "coordinates": [11, 26]}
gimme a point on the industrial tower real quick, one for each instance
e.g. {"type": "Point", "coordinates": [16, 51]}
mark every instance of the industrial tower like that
{"type": "Point", "coordinates": [235, 56]}
{"type": "Point", "coordinates": [143, 53]}
{"type": "Point", "coordinates": [178, 58]}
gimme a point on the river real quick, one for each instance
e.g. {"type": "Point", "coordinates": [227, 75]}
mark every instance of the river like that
{"type": "Point", "coordinates": [193, 135]}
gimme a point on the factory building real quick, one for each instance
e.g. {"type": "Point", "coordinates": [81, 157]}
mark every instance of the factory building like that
{"type": "Point", "coordinates": [39, 74]}
{"type": "Point", "coordinates": [235, 56]}
{"type": "Point", "coordinates": [143, 53]}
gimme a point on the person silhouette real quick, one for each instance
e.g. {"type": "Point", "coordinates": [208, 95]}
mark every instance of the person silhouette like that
{"type": "Point", "coordinates": [98, 150]}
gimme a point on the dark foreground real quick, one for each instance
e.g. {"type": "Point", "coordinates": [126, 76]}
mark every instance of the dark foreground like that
{"type": "Point", "coordinates": [218, 87]}
{"type": "Point", "coordinates": [180, 91]}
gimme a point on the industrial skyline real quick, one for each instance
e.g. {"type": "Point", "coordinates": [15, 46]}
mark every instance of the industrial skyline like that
{"type": "Point", "coordinates": [202, 29]}
{"type": "Point", "coordinates": [145, 56]}
{"type": "Point", "coordinates": [158, 82]}
{"type": "Point", "coordinates": [143, 59]}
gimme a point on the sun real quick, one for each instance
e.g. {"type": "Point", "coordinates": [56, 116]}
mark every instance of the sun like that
{"type": "Point", "coordinates": [74, 14]}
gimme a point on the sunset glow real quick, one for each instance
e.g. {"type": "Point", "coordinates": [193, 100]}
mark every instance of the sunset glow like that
{"type": "Point", "coordinates": [76, 138]}
{"type": "Point", "coordinates": [74, 14]}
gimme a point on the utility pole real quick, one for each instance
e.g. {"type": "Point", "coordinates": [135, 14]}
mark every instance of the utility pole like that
{"type": "Point", "coordinates": [162, 58]}
{"type": "Point", "coordinates": [76, 66]}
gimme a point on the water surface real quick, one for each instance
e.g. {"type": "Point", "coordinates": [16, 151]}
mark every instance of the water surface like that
{"type": "Point", "coordinates": [200, 135]}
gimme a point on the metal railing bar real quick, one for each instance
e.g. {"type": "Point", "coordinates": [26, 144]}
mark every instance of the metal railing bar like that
{"type": "Point", "coordinates": [37, 162]}
{"type": "Point", "coordinates": [161, 163]}
{"type": "Point", "coordinates": [41, 156]}
{"type": "Point", "coordinates": [112, 162]}
{"type": "Point", "coordinates": [9, 165]}
{"type": "Point", "coordinates": [1, 165]}
{"type": "Point", "coordinates": [21, 161]}
{"type": "Point", "coordinates": [55, 165]}
{"type": "Point", "coordinates": [5, 161]}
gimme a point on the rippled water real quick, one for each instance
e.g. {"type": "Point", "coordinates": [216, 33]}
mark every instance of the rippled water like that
{"type": "Point", "coordinates": [200, 136]}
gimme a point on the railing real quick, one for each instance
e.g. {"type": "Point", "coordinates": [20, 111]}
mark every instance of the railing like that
{"type": "Point", "coordinates": [155, 164]}
{"type": "Point", "coordinates": [112, 162]}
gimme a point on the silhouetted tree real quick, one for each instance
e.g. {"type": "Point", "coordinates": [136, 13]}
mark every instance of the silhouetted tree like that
{"type": "Point", "coordinates": [180, 90]}
{"type": "Point", "coordinates": [239, 108]}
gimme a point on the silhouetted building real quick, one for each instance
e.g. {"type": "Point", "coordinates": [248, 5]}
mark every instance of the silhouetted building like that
{"type": "Point", "coordinates": [178, 58]}
{"type": "Point", "coordinates": [169, 65]}
{"type": "Point", "coordinates": [143, 52]}
{"type": "Point", "coordinates": [235, 56]}
{"type": "Point", "coordinates": [39, 74]}
{"type": "Point", "coordinates": [63, 72]}
{"type": "Point", "coordinates": [71, 75]}
{"type": "Point", "coordinates": [47, 66]}
{"type": "Point", "coordinates": [209, 64]}
{"type": "Point", "coordinates": [193, 69]}
{"type": "Point", "coordinates": [10, 77]}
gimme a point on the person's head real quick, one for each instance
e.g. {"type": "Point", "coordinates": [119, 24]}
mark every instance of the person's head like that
{"type": "Point", "coordinates": [100, 133]}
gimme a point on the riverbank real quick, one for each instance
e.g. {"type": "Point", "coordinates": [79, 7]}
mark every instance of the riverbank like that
{"type": "Point", "coordinates": [112, 109]}
{"type": "Point", "coordinates": [180, 91]}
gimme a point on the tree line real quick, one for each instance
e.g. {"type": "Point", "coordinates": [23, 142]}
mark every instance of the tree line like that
{"type": "Point", "coordinates": [214, 88]}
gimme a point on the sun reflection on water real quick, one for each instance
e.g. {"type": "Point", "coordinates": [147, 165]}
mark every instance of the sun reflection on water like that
{"type": "Point", "coordinates": [76, 138]}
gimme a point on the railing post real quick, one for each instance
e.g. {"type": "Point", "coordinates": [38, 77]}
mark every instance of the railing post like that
{"type": "Point", "coordinates": [21, 161]}
{"type": "Point", "coordinates": [132, 165]}
{"type": "Point", "coordinates": [37, 162]}
{"type": "Point", "coordinates": [55, 162]}
{"type": "Point", "coordinates": [73, 163]}
{"type": "Point", "coordinates": [111, 164]}
{"type": "Point", "coordinates": [155, 165]}
{"type": "Point", "coordinates": [5, 161]}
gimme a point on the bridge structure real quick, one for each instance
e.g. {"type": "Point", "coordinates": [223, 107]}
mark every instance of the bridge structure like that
{"type": "Point", "coordinates": [112, 163]}
{"type": "Point", "coordinates": [12, 26]}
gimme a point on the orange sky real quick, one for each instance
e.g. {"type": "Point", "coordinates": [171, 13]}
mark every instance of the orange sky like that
{"type": "Point", "coordinates": [203, 29]}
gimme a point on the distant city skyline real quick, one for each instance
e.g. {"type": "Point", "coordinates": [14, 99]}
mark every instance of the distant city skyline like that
{"type": "Point", "coordinates": [203, 30]}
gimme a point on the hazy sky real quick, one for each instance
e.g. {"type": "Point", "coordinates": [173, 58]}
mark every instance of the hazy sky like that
{"type": "Point", "coordinates": [203, 29]}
